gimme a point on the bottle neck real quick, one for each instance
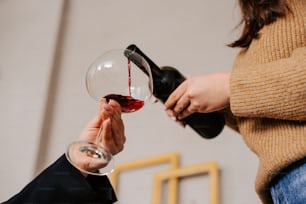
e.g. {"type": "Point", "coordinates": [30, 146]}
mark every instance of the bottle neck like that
{"type": "Point", "coordinates": [129, 53]}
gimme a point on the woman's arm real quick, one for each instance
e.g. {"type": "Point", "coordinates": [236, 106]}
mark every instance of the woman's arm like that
{"type": "Point", "coordinates": [273, 90]}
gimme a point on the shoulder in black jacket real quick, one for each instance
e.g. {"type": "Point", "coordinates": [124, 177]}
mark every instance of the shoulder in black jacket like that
{"type": "Point", "coordinates": [61, 183]}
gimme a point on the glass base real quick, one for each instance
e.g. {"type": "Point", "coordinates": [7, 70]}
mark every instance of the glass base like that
{"type": "Point", "coordinates": [90, 158]}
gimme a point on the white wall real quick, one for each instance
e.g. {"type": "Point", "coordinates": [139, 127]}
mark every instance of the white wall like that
{"type": "Point", "coordinates": [45, 103]}
{"type": "Point", "coordinates": [28, 35]}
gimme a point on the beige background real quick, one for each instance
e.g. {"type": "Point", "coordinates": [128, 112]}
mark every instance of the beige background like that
{"type": "Point", "coordinates": [45, 48]}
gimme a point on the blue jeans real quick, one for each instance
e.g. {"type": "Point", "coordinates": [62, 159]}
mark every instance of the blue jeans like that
{"type": "Point", "coordinates": [291, 187]}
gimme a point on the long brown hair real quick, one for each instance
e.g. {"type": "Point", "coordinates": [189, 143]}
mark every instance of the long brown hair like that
{"type": "Point", "coordinates": [254, 15]}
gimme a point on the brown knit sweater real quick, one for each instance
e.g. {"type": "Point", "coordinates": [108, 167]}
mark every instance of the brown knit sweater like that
{"type": "Point", "coordinates": [268, 95]}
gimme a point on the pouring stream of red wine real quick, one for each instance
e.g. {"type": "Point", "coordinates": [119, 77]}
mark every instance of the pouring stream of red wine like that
{"type": "Point", "coordinates": [128, 103]}
{"type": "Point", "coordinates": [129, 76]}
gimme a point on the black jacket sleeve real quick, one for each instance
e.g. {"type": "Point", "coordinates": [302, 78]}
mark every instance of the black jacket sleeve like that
{"type": "Point", "coordinates": [61, 183]}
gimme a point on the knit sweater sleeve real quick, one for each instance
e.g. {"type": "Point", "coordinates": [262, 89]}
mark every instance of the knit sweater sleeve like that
{"type": "Point", "coordinates": [273, 90]}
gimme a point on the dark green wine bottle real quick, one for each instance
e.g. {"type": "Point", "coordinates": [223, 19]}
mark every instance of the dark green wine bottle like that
{"type": "Point", "coordinates": [165, 80]}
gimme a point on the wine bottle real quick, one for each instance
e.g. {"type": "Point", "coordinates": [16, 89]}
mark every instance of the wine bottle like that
{"type": "Point", "coordinates": [165, 80]}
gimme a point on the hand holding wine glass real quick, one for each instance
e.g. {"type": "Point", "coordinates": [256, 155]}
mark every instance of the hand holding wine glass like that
{"type": "Point", "coordinates": [114, 80]}
{"type": "Point", "coordinates": [113, 138]}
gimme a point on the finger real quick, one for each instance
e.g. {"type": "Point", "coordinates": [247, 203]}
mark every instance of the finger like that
{"type": "Point", "coordinates": [116, 110]}
{"type": "Point", "coordinates": [185, 113]}
{"type": "Point", "coordinates": [174, 96]}
{"type": "Point", "coordinates": [94, 122]}
{"type": "Point", "coordinates": [107, 139]}
{"type": "Point", "coordinates": [97, 120]}
{"type": "Point", "coordinates": [116, 122]}
{"type": "Point", "coordinates": [181, 105]}
{"type": "Point", "coordinates": [103, 101]}
{"type": "Point", "coordinates": [171, 114]}
{"type": "Point", "coordinates": [102, 114]}
{"type": "Point", "coordinates": [116, 119]}
{"type": "Point", "coordinates": [181, 123]}
{"type": "Point", "coordinates": [114, 104]}
{"type": "Point", "coordinates": [113, 136]}
{"type": "Point", "coordinates": [112, 108]}
{"type": "Point", "coordinates": [118, 131]}
{"type": "Point", "coordinates": [114, 128]}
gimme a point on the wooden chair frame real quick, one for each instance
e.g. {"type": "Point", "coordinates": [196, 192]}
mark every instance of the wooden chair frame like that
{"type": "Point", "coordinates": [210, 168]}
{"type": "Point", "coordinates": [171, 158]}
{"type": "Point", "coordinates": [172, 175]}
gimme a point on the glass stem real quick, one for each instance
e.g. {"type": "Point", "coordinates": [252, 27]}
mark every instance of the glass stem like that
{"type": "Point", "coordinates": [104, 153]}
{"type": "Point", "coordinates": [99, 136]}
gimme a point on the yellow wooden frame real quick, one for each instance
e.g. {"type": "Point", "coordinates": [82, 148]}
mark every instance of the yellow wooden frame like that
{"type": "Point", "coordinates": [171, 158]}
{"type": "Point", "coordinates": [211, 168]}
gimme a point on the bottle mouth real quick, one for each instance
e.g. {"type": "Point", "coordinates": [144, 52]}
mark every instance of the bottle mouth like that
{"type": "Point", "coordinates": [136, 59]}
{"type": "Point", "coordinates": [130, 51]}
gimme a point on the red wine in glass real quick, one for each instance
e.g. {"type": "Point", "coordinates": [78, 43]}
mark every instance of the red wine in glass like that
{"type": "Point", "coordinates": [128, 104]}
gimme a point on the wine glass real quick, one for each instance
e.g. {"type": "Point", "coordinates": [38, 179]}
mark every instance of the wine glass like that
{"type": "Point", "coordinates": [121, 75]}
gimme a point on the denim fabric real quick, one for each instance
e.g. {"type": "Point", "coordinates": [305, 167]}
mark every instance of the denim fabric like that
{"type": "Point", "coordinates": [291, 187]}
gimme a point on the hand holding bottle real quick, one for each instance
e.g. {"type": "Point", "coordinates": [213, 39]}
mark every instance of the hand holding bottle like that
{"type": "Point", "coordinates": [204, 94]}
{"type": "Point", "coordinates": [165, 80]}
{"type": "Point", "coordinates": [113, 138]}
